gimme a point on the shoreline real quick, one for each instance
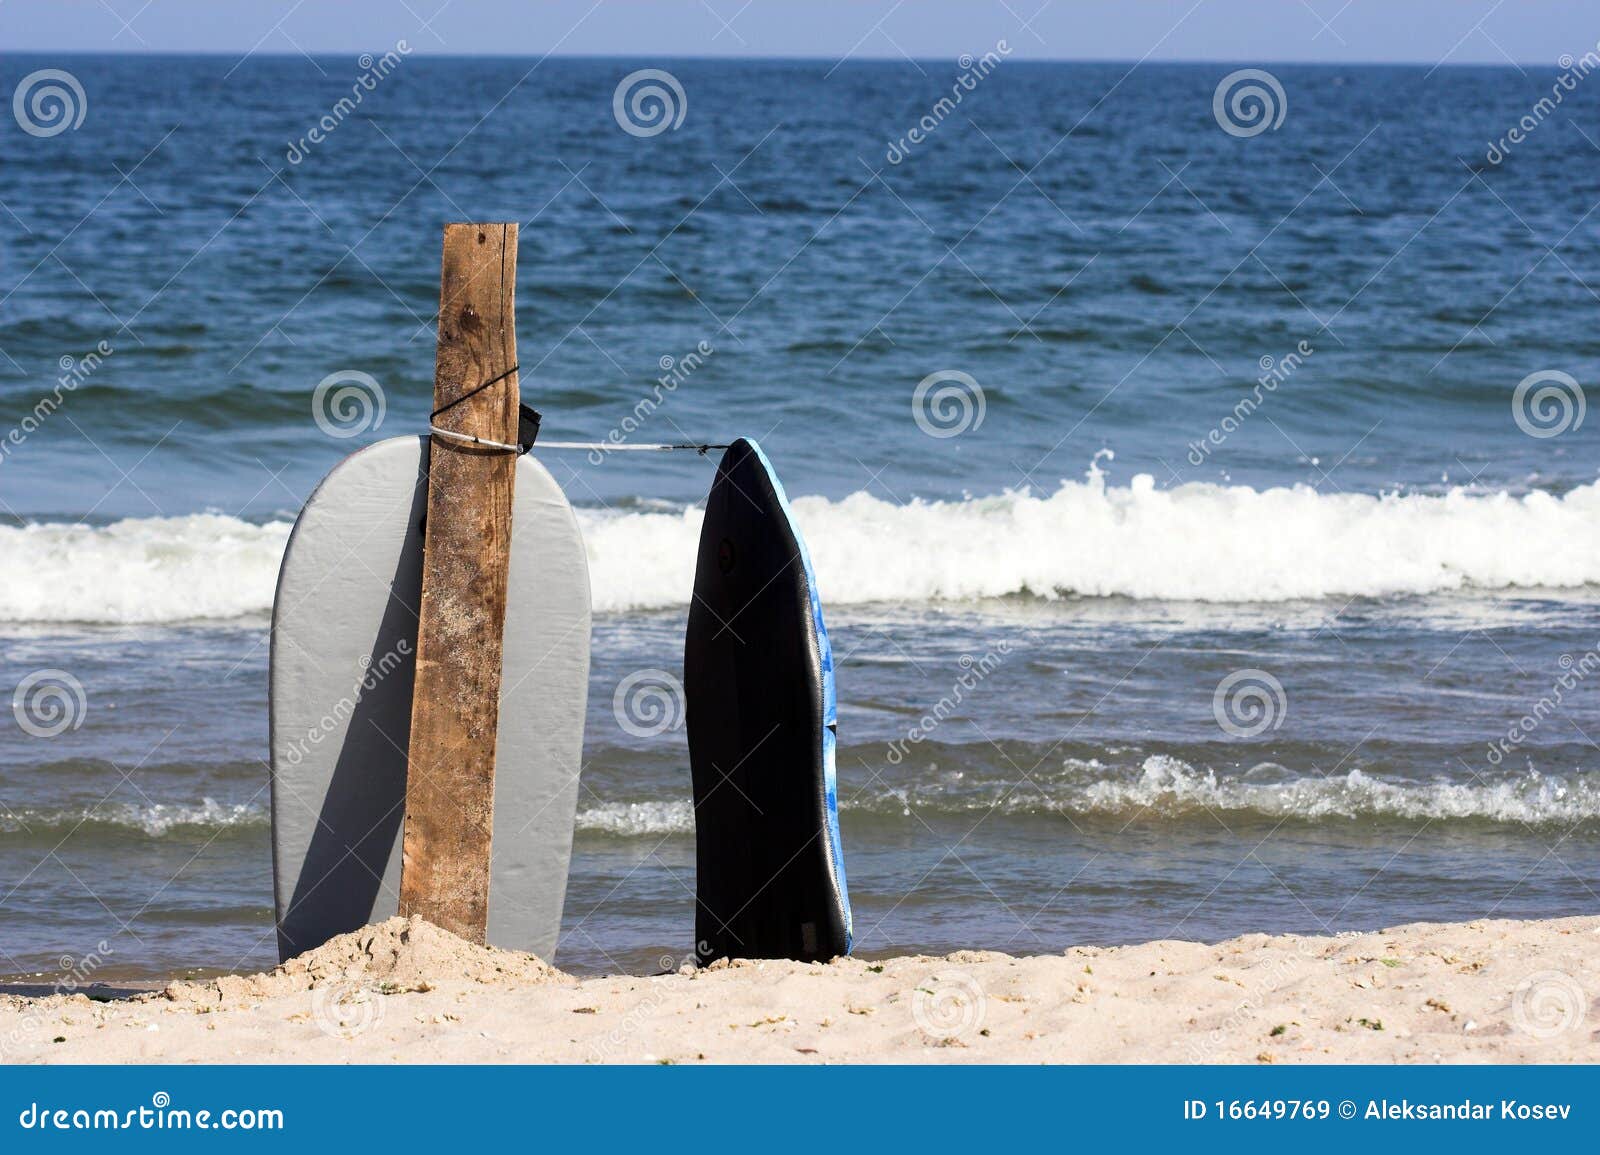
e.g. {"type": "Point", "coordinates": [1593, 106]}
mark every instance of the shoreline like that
{"type": "Point", "coordinates": [404, 991]}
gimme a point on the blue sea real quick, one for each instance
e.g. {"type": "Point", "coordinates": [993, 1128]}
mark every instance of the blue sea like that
{"type": "Point", "coordinates": [1199, 490]}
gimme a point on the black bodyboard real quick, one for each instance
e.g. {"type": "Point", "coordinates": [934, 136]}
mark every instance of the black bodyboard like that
{"type": "Point", "coordinates": [758, 676]}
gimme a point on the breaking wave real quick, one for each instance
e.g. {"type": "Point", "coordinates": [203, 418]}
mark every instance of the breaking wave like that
{"type": "Point", "coordinates": [1164, 788]}
{"type": "Point", "coordinates": [1194, 542]}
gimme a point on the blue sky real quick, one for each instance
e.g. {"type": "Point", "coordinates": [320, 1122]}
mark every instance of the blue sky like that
{"type": "Point", "coordinates": [1428, 31]}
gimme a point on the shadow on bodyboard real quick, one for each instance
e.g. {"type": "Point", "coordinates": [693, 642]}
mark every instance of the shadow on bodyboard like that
{"type": "Point", "coordinates": [364, 808]}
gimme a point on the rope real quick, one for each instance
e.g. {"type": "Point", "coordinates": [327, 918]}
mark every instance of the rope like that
{"type": "Point", "coordinates": [481, 442]}
{"type": "Point", "coordinates": [607, 446]}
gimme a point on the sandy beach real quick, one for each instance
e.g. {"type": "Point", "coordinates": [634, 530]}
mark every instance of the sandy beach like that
{"type": "Point", "coordinates": [1487, 991]}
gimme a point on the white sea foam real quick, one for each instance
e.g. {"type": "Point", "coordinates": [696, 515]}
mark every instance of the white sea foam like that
{"type": "Point", "coordinates": [1195, 542]}
{"type": "Point", "coordinates": [1162, 787]}
{"type": "Point", "coordinates": [637, 819]}
{"type": "Point", "coordinates": [154, 819]}
{"type": "Point", "coordinates": [1169, 787]}
{"type": "Point", "coordinates": [154, 569]}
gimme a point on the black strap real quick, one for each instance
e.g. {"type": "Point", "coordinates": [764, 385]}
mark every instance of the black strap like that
{"type": "Point", "coordinates": [472, 392]}
{"type": "Point", "coordinates": [527, 427]}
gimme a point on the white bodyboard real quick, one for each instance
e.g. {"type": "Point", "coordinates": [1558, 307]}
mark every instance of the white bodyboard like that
{"type": "Point", "coordinates": [344, 637]}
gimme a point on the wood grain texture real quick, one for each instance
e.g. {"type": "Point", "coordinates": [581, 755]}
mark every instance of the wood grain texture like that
{"type": "Point", "coordinates": [444, 869]}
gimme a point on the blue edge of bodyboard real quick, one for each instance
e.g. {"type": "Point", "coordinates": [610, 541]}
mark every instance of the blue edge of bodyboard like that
{"type": "Point", "coordinates": [830, 705]}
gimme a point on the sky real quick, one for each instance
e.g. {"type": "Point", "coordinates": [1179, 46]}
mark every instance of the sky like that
{"type": "Point", "coordinates": [1526, 32]}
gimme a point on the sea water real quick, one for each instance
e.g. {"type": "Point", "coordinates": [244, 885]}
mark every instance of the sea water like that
{"type": "Point", "coordinates": [1195, 558]}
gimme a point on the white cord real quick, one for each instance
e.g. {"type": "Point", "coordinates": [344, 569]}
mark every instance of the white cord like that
{"type": "Point", "coordinates": [609, 446]}
{"type": "Point", "coordinates": [471, 440]}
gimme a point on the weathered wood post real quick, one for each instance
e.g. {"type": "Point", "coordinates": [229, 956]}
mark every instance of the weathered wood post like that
{"type": "Point", "coordinates": [444, 872]}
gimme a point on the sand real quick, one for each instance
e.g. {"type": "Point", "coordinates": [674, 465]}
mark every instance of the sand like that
{"type": "Point", "coordinates": [405, 991]}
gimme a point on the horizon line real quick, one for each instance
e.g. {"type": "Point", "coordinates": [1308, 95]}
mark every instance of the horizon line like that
{"type": "Point", "coordinates": [243, 55]}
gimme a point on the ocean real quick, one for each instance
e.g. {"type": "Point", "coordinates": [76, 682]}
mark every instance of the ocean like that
{"type": "Point", "coordinates": [1202, 507]}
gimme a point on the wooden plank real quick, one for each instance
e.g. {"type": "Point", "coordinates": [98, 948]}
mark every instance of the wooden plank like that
{"type": "Point", "coordinates": [455, 707]}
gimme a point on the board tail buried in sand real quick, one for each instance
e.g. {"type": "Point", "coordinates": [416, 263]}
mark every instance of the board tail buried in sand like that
{"type": "Point", "coordinates": [758, 675]}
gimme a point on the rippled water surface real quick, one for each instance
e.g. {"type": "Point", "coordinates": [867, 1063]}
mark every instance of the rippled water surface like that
{"type": "Point", "coordinates": [1228, 590]}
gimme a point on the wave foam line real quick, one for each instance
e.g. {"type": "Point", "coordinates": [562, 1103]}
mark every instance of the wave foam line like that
{"type": "Point", "coordinates": [150, 569]}
{"type": "Point", "coordinates": [154, 821]}
{"type": "Point", "coordinates": [1195, 542]}
{"type": "Point", "coordinates": [1167, 788]}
